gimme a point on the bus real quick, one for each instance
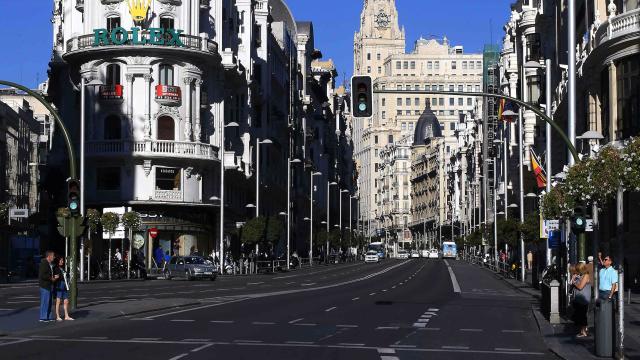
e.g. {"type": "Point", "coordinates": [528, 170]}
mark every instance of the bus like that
{"type": "Point", "coordinates": [377, 247]}
{"type": "Point", "coordinates": [449, 250]}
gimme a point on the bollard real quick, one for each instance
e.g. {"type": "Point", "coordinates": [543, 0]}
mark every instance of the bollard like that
{"type": "Point", "coordinates": [554, 305]}
{"type": "Point", "coordinates": [604, 328]}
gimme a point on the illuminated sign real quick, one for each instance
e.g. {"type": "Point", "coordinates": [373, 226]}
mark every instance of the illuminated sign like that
{"type": "Point", "coordinates": [154, 36]}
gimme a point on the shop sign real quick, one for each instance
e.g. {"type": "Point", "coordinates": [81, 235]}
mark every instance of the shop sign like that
{"type": "Point", "coordinates": [153, 36]}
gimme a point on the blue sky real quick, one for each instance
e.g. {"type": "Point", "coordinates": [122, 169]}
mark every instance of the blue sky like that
{"type": "Point", "coordinates": [26, 28]}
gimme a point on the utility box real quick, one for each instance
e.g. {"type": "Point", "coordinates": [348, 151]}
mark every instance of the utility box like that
{"type": "Point", "coordinates": [604, 328]}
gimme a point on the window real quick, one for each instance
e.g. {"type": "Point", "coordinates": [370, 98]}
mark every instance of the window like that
{"type": "Point", "coordinates": [376, 152]}
{"type": "Point", "coordinates": [168, 178]}
{"type": "Point", "coordinates": [108, 179]}
{"type": "Point", "coordinates": [470, 65]}
{"type": "Point", "coordinates": [113, 74]}
{"type": "Point", "coordinates": [477, 88]}
{"type": "Point", "coordinates": [417, 87]}
{"type": "Point", "coordinates": [464, 65]}
{"type": "Point", "coordinates": [166, 128]}
{"type": "Point", "coordinates": [434, 87]}
{"type": "Point", "coordinates": [398, 65]}
{"type": "Point", "coordinates": [399, 87]}
{"type": "Point", "coordinates": [469, 88]}
{"type": "Point", "coordinates": [452, 88]}
{"type": "Point", "coordinates": [166, 75]}
{"type": "Point", "coordinates": [378, 56]}
{"type": "Point", "coordinates": [379, 69]}
{"type": "Point", "coordinates": [441, 101]}
{"type": "Point", "coordinates": [429, 65]}
{"type": "Point", "coordinates": [441, 87]}
{"type": "Point", "coordinates": [407, 112]}
{"type": "Point", "coordinates": [390, 139]}
{"type": "Point", "coordinates": [460, 101]}
{"type": "Point", "coordinates": [399, 112]}
{"type": "Point", "coordinates": [452, 101]}
{"type": "Point", "coordinates": [434, 101]}
{"type": "Point", "coordinates": [112, 23]}
{"type": "Point", "coordinates": [452, 112]}
{"type": "Point", "coordinates": [479, 65]}
{"type": "Point", "coordinates": [417, 112]}
{"type": "Point", "coordinates": [404, 126]}
{"type": "Point", "coordinates": [167, 23]}
{"type": "Point", "coordinates": [384, 102]}
{"type": "Point", "coordinates": [369, 56]}
{"type": "Point", "coordinates": [375, 139]}
{"type": "Point", "coordinates": [416, 101]}
{"type": "Point", "coordinates": [399, 101]}
{"type": "Point", "coordinates": [405, 65]}
{"type": "Point", "coordinates": [408, 101]}
{"type": "Point", "coordinates": [411, 126]}
{"type": "Point", "coordinates": [453, 65]}
{"type": "Point", "coordinates": [112, 128]}
{"type": "Point", "coordinates": [437, 65]}
{"type": "Point", "coordinates": [461, 88]}
{"type": "Point", "coordinates": [469, 101]}
{"type": "Point", "coordinates": [369, 69]}
{"type": "Point", "coordinates": [452, 126]}
{"type": "Point", "coordinates": [413, 65]}
{"type": "Point", "coordinates": [384, 114]}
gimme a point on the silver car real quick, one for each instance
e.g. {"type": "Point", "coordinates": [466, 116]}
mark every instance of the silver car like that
{"type": "Point", "coordinates": [190, 267]}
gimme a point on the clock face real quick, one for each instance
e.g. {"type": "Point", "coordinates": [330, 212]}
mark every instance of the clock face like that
{"type": "Point", "coordinates": [382, 19]}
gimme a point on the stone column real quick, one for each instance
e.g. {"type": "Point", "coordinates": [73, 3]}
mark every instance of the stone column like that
{"type": "Point", "coordinates": [147, 107]}
{"type": "Point", "coordinates": [613, 101]}
{"type": "Point", "coordinates": [187, 110]}
{"type": "Point", "coordinates": [197, 125]}
{"type": "Point", "coordinates": [129, 78]}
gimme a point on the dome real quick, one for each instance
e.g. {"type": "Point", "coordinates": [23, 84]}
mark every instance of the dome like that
{"type": "Point", "coordinates": [427, 127]}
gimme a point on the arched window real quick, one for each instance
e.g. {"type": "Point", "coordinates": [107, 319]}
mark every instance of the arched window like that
{"type": "Point", "coordinates": [166, 75]}
{"type": "Point", "coordinates": [112, 128]}
{"type": "Point", "coordinates": [166, 128]}
{"type": "Point", "coordinates": [113, 74]}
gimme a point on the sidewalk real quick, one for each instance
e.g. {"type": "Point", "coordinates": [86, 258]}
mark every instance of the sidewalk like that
{"type": "Point", "coordinates": [561, 338]}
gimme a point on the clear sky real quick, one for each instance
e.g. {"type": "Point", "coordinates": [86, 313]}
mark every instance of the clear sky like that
{"type": "Point", "coordinates": [26, 29]}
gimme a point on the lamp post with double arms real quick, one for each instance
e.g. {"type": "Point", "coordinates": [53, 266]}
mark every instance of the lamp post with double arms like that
{"type": "Point", "coordinates": [340, 205]}
{"type": "Point", "coordinates": [311, 218]}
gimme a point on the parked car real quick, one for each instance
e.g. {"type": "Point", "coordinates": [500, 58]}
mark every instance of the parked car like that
{"type": "Point", "coordinates": [424, 253]}
{"type": "Point", "coordinates": [402, 254]}
{"type": "Point", "coordinates": [371, 257]}
{"type": "Point", "coordinates": [190, 267]}
{"type": "Point", "coordinates": [433, 254]}
{"type": "Point", "coordinates": [415, 254]}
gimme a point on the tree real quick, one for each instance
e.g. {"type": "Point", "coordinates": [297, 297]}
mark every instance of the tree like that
{"type": "Point", "coordinates": [110, 222]}
{"type": "Point", "coordinates": [274, 230]}
{"type": "Point", "coordinates": [530, 228]}
{"type": "Point", "coordinates": [253, 231]}
{"type": "Point", "coordinates": [4, 211]}
{"type": "Point", "coordinates": [131, 221]}
{"type": "Point", "coordinates": [508, 230]}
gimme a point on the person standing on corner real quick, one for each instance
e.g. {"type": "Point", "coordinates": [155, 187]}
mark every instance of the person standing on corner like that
{"type": "Point", "coordinates": [529, 260]}
{"type": "Point", "coordinates": [582, 284]}
{"type": "Point", "coordinates": [46, 278]}
{"type": "Point", "coordinates": [61, 289]}
{"type": "Point", "coordinates": [608, 279]}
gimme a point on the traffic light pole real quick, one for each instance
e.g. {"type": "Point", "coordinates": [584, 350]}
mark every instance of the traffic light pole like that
{"type": "Point", "coordinates": [72, 174]}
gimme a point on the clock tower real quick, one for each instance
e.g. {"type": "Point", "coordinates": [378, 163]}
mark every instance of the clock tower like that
{"type": "Point", "coordinates": [379, 36]}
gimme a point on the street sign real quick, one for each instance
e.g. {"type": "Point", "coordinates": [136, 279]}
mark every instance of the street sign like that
{"type": "Point", "coordinates": [15, 213]}
{"type": "Point", "coordinates": [554, 239]}
{"type": "Point", "coordinates": [589, 226]}
{"type": "Point", "coordinates": [548, 226]}
{"type": "Point", "coordinates": [153, 232]}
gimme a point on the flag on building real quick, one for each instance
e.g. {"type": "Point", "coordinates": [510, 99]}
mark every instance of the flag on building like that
{"type": "Point", "coordinates": [538, 171]}
{"type": "Point", "coordinates": [505, 105]}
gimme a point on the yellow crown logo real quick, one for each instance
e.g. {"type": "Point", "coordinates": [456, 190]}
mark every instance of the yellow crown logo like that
{"type": "Point", "coordinates": [138, 9]}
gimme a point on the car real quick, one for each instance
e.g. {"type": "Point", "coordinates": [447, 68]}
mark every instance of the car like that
{"type": "Point", "coordinates": [415, 254]}
{"type": "Point", "coordinates": [371, 257]}
{"type": "Point", "coordinates": [190, 268]}
{"type": "Point", "coordinates": [402, 254]}
{"type": "Point", "coordinates": [424, 253]}
{"type": "Point", "coordinates": [433, 254]}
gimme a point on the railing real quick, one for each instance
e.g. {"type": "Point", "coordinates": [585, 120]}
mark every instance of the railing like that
{"type": "Point", "coordinates": [168, 195]}
{"type": "Point", "coordinates": [167, 148]}
{"type": "Point", "coordinates": [190, 42]}
{"type": "Point", "coordinates": [618, 25]}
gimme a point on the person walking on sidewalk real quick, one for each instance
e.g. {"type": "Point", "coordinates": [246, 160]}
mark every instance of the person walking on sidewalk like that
{"type": "Point", "coordinates": [581, 283]}
{"type": "Point", "coordinates": [529, 260]}
{"type": "Point", "coordinates": [608, 279]}
{"type": "Point", "coordinates": [46, 278]}
{"type": "Point", "coordinates": [61, 289]}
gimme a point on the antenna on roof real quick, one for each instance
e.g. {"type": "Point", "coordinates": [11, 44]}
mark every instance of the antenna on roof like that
{"type": "Point", "coordinates": [491, 31]}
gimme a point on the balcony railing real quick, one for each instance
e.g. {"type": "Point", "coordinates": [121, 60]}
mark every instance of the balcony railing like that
{"type": "Point", "coordinates": [191, 42]}
{"type": "Point", "coordinates": [111, 92]}
{"type": "Point", "coordinates": [168, 95]}
{"type": "Point", "coordinates": [619, 26]}
{"type": "Point", "coordinates": [153, 148]}
{"type": "Point", "coordinates": [168, 195]}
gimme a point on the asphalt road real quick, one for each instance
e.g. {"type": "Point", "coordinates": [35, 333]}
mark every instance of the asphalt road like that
{"type": "Point", "coordinates": [413, 309]}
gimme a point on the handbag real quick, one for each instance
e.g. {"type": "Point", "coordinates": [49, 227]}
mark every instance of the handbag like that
{"type": "Point", "coordinates": [64, 277]}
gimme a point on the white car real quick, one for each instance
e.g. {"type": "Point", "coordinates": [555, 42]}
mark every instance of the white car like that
{"type": "Point", "coordinates": [371, 257]}
{"type": "Point", "coordinates": [402, 254]}
{"type": "Point", "coordinates": [424, 253]}
{"type": "Point", "coordinates": [433, 254]}
{"type": "Point", "coordinates": [415, 254]}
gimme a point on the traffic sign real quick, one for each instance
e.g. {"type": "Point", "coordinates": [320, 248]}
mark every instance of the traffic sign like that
{"type": "Point", "coordinates": [15, 213]}
{"type": "Point", "coordinates": [589, 225]}
{"type": "Point", "coordinates": [547, 227]}
{"type": "Point", "coordinates": [153, 232]}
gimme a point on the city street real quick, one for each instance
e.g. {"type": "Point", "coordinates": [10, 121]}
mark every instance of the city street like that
{"type": "Point", "coordinates": [410, 309]}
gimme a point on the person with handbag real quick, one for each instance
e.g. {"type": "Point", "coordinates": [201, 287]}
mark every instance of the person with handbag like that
{"type": "Point", "coordinates": [582, 297]}
{"type": "Point", "coordinates": [61, 290]}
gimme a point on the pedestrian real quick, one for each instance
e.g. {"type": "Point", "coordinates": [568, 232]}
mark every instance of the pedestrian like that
{"type": "Point", "coordinates": [607, 279]}
{"type": "Point", "coordinates": [158, 256]}
{"type": "Point", "coordinates": [118, 255]}
{"type": "Point", "coordinates": [529, 260]}
{"type": "Point", "coordinates": [581, 283]}
{"type": "Point", "coordinates": [61, 289]}
{"type": "Point", "coordinates": [46, 278]}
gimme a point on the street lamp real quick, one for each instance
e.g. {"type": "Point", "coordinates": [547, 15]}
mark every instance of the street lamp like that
{"type": "Point", "coordinates": [258, 143]}
{"type": "Point", "coordinates": [83, 84]}
{"type": "Point", "coordinates": [311, 220]}
{"type": "Point", "coordinates": [288, 212]}
{"type": "Point", "coordinates": [222, 169]}
{"type": "Point", "coordinates": [340, 208]}
{"type": "Point", "coordinates": [329, 185]}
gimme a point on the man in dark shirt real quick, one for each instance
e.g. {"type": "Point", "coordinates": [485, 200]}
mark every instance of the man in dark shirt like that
{"type": "Point", "coordinates": [45, 281]}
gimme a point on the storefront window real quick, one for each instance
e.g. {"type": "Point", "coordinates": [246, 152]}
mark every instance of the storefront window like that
{"type": "Point", "coordinates": [629, 96]}
{"type": "Point", "coordinates": [168, 179]}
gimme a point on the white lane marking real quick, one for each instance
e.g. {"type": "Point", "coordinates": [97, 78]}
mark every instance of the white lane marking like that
{"type": "Point", "coordinates": [389, 358]}
{"type": "Point", "coordinates": [430, 313]}
{"type": "Point", "coordinates": [419, 325]}
{"type": "Point", "coordinates": [14, 342]}
{"type": "Point", "coordinates": [263, 323]}
{"type": "Point", "coordinates": [393, 287]}
{"type": "Point", "coordinates": [512, 331]}
{"type": "Point", "coordinates": [433, 309]}
{"type": "Point", "coordinates": [197, 340]}
{"type": "Point", "coordinates": [7, 309]}
{"type": "Point", "coordinates": [289, 283]}
{"type": "Point", "coordinates": [248, 341]}
{"type": "Point", "coordinates": [350, 344]}
{"type": "Point", "coordinates": [299, 342]}
{"type": "Point", "coordinates": [403, 346]}
{"type": "Point", "coordinates": [456, 347]}
{"type": "Point", "coordinates": [387, 328]}
{"type": "Point", "coordinates": [295, 321]}
{"type": "Point", "coordinates": [372, 294]}
{"type": "Point", "coordinates": [355, 298]}
{"type": "Point", "coordinates": [255, 283]}
{"type": "Point", "coordinates": [506, 349]}
{"type": "Point", "coordinates": [430, 329]}
{"type": "Point", "coordinates": [309, 284]}
{"type": "Point", "coordinates": [347, 326]}
{"type": "Point", "coordinates": [425, 316]}
{"type": "Point", "coordinates": [94, 337]}
{"type": "Point", "coordinates": [305, 324]}
{"type": "Point", "coordinates": [423, 320]}
{"type": "Point", "coordinates": [44, 336]}
{"type": "Point", "coordinates": [201, 347]}
{"type": "Point", "coordinates": [472, 330]}
{"type": "Point", "coordinates": [385, 290]}
{"type": "Point", "coordinates": [222, 321]}
{"type": "Point", "coordinates": [179, 356]}
{"type": "Point", "coordinates": [181, 320]}
{"type": "Point", "coordinates": [454, 281]}
{"type": "Point", "coordinates": [330, 309]}
{"type": "Point", "coordinates": [145, 339]}
{"type": "Point", "coordinates": [23, 301]}
{"type": "Point", "coordinates": [386, 351]}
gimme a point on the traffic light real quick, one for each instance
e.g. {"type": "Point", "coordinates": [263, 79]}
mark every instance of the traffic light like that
{"type": "Point", "coordinates": [362, 96]}
{"type": "Point", "coordinates": [73, 196]}
{"type": "Point", "coordinates": [579, 220]}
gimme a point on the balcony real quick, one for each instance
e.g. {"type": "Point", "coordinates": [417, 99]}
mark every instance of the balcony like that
{"type": "Point", "coordinates": [152, 149]}
{"type": "Point", "coordinates": [110, 93]}
{"type": "Point", "coordinates": [619, 27]}
{"type": "Point", "coordinates": [168, 95]}
{"type": "Point", "coordinates": [168, 195]}
{"type": "Point", "coordinates": [140, 42]}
